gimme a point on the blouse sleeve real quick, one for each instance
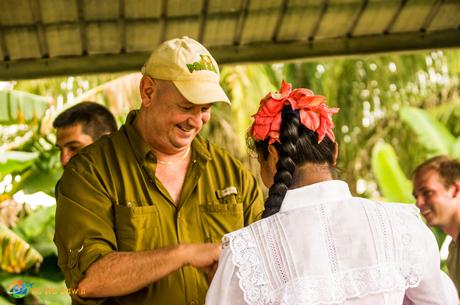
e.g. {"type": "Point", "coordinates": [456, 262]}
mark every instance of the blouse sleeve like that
{"type": "Point", "coordinates": [435, 287]}
{"type": "Point", "coordinates": [224, 288]}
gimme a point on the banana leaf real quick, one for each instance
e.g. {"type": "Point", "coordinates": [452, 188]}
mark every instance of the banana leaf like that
{"type": "Point", "coordinates": [38, 230]}
{"type": "Point", "coordinates": [393, 183]}
{"type": "Point", "coordinates": [430, 133]}
{"type": "Point", "coordinates": [18, 107]}
{"type": "Point", "coordinates": [16, 161]}
{"type": "Point", "coordinates": [16, 255]}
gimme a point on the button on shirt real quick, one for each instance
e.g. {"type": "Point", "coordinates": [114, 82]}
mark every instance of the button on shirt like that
{"type": "Point", "coordinates": [327, 247]}
{"type": "Point", "coordinates": [109, 199]}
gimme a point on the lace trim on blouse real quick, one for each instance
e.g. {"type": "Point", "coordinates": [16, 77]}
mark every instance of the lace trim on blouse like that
{"type": "Point", "coordinates": [336, 287]}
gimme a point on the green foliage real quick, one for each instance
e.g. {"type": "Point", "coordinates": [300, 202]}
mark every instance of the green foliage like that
{"type": "Point", "coordinates": [246, 86]}
{"type": "Point", "coordinates": [15, 253]}
{"type": "Point", "coordinates": [428, 133]}
{"type": "Point", "coordinates": [16, 161]}
{"type": "Point", "coordinates": [37, 229]}
{"type": "Point", "coordinates": [30, 244]}
{"type": "Point", "coordinates": [393, 183]}
{"type": "Point", "coordinates": [22, 107]}
{"type": "Point", "coordinates": [431, 133]}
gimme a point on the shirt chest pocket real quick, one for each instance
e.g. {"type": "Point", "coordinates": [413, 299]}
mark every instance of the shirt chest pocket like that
{"type": "Point", "coordinates": [221, 217]}
{"type": "Point", "coordinates": [137, 228]}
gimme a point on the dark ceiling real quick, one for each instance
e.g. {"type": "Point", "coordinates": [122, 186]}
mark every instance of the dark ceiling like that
{"type": "Point", "coordinates": [40, 38]}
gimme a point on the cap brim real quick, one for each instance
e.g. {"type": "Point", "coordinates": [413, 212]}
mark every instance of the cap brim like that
{"type": "Point", "coordinates": [201, 92]}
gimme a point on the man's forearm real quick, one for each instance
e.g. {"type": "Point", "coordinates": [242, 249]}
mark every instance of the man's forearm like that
{"type": "Point", "coordinates": [122, 273]}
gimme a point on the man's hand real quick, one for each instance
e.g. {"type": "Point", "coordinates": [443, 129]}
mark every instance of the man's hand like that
{"type": "Point", "coordinates": [202, 255]}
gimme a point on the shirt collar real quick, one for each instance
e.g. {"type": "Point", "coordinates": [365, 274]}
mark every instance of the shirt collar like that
{"type": "Point", "coordinates": [316, 193]}
{"type": "Point", "coordinates": [140, 148]}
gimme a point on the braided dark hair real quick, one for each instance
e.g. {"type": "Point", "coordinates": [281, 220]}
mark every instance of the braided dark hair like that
{"type": "Point", "coordinates": [299, 145]}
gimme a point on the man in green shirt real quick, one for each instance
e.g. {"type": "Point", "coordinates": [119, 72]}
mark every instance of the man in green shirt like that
{"type": "Point", "coordinates": [140, 214]}
{"type": "Point", "coordinates": [437, 191]}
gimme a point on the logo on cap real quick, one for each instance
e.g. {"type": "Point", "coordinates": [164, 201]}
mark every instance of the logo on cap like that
{"type": "Point", "coordinates": [204, 64]}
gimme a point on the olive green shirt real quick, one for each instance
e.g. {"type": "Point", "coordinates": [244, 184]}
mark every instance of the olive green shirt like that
{"type": "Point", "coordinates": [109, 199]}
{"type": "Point", "coordinates": [453, 264]}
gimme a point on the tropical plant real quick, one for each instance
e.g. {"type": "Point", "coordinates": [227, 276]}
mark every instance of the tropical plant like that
{"type": "Point", "coordinates": [27, 254]}
{"type": "Point", "coordinates": [16, 254]}
{"type": "Point", "coordinates": [431, 136]}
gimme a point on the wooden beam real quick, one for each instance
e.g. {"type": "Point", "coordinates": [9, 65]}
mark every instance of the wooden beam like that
{"type": "Point", "coordinates": [33, 68]}
{"type": "Point", "coordinates": [315, 28]}
{"type": "Point", "coordinates": [266, 52]}
{"type": "Point", "coordinates": [82, 26]}
{"type": "Point", "coordinates": [279, 20]}
{"type": "Point", "coordinates": [431, 15]}
{"type": "Point", "coordinates": [3, 46]}
{"type": "Point", "coordinates": [121, 25]}
{"type": "Point", "coordinates": [203, 18]}
{"type": "Point", "coordinates": [362, 8]}
{"type": "Point", "coordinates": [395, 17]}
{"type": "Point", "coordinates": [241, 22]}
{"type": "Point", "coordinates": [340, 47]}
{"type": "Point", "coordinates": [37, 17]}
{"type": "Point", "coordinates": [163, 20]}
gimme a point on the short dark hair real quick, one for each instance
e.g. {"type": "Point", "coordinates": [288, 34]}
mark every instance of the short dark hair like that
{"type": "Point", "coordinates": [446, 167]}
{"type": "Point", "coordinates": [95, 119]}
{"type": "Point", "coordinates": [299, 145]}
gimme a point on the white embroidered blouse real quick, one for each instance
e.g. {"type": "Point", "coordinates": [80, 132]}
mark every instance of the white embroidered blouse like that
{"type": "Point", "coordinates": [327, 247]}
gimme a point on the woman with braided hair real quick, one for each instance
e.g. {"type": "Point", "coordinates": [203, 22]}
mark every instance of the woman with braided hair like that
{"type": "Point", "coordinates": [316, 243]}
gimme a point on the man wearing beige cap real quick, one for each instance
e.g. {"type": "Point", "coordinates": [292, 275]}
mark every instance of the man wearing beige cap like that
{"type": "Point", "coordinates": [140, 214]}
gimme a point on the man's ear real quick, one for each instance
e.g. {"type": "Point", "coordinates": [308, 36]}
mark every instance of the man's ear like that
{"type": "Point", "coordinates": [147, 87]}
{"type": "Point", "coordinates": [336, 153]}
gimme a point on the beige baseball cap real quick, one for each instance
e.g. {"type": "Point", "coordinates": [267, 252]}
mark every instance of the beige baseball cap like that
{"type": "Point", "coordinates": [191, 68]}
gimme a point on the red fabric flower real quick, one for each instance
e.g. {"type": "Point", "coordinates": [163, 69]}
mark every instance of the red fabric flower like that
{"type": "Point", "coordinates": [267, 120]}
{"type": "Point", "coordinates": [314, 113]}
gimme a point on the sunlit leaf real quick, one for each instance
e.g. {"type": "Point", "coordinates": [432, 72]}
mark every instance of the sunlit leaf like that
{"type": "Point", "coordinates": [16, 255]}
{"type": "Point", "coordinates": [13, 161]}
{"type": "Point", "coordinates": [392, 182]}
{"type": "Point", "coordinates": [18, 107]}
{"type": "Point", "coordinates": [36, 223]}
{"type": "Point", "coordinates": [430, 132]}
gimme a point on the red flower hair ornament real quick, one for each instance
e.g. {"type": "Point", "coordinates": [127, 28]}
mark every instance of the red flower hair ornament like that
{"type": "Point", "coordinates": [313, 111]}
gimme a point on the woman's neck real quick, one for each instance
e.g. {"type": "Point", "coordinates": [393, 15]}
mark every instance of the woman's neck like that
{"type": "Point", "coordinates": [310, 173]}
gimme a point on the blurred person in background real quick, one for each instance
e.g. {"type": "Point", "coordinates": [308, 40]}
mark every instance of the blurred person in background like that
{"type": "Point", "coordinates": [437, 192]}
{"type": "Point", "coordinates": [81, 125]}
